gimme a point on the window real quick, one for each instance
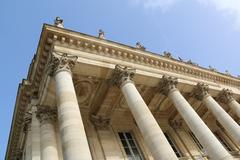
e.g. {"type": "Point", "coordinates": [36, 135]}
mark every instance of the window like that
{"type": "Point", "coordinates": [129, 144]}
{"type": "Point", "coordinates": [196, 140]}
{"type": "Point", "coordinates": [173, 145]}
{"type": "Point", "coordinates": [223, 142]}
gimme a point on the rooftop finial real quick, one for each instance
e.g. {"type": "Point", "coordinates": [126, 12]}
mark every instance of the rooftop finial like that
{"type": "Point", "coordinates": [140, 46]}
{"type": "Point", "coordinates": [58, 22]}
{"type": "Point", "coordinates": [101, 34]}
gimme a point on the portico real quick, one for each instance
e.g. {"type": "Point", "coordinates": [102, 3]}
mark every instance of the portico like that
{"type": "Point", "coordinates": [98, 99]}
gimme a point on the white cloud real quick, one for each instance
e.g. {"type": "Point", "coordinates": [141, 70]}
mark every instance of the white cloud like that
{"type": "Point", "coordinates": [163, 5]}
{"type": "Point", "coordinates": [229, 8]}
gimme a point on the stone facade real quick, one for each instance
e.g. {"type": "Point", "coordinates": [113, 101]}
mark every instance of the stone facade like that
{"type": "Point", "coordinates": [88, 98]}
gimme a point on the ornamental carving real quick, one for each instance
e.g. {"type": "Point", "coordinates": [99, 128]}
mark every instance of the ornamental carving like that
{"type": "Point", "coordinates": [176, 124]}
{"type": "Point", "coordinates": [167, 83]}
{"type": "Point", "coordinates": [62, 62]}
{"type": "Point", "coordinates": [122, 75]}
{"type": "Point", "coordinates": [200, 91]}
{"type": "Point", "coordinates": [225, 96]}
{"type": "Point", "coordinates": [85, 88]}
{"type": "Point", "coordinates": [46, 114]}
{"type": "Point", "coordinates": [100, 121]}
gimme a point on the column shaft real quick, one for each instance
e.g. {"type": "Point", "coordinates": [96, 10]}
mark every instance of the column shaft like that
{"type": "Point", "coordinates": [28, 146]}
{"type": "Point", "coordinates": [210, 143]}
{"type": "Point", "coordinates": [35, 128]}
{"type": "Point", "coordinates": [235, 106]}
{"type": "Point", "coordinates": [148, 126]}
{"type": "Point", "coordinates": [48, 141]}
{"type": "Point", "coordinates": [73, 136]}
{"type": "Point", "coordinates": [223, 118]}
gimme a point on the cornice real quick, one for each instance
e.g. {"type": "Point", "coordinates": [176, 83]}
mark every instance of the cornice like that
{"type": "Point", "coordinates": [22, 100]}
{"type": "Point", "coordinates": [94, 45]}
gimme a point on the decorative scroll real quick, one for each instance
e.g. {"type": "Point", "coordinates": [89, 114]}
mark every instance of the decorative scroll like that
{"type": "Point", "coordinates": [62, 62]}
{"type": "Point", "coordinates": [122, 75]}
{"type": "Point", "coordinates": [225, 96]}
{"type": "Point", "coordinates": [167, 83]}
{"type": "Point", "coordinates": [46, 114]}
{"type": "Point", "coordinates": [200, 91]}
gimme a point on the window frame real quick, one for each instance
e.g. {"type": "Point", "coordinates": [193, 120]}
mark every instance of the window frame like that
{"type": "Point", "coordinates": [174, 145]}
{"type": "Point", "coordinates": [137, 146]}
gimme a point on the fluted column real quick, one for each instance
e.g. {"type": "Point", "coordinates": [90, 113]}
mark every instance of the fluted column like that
{"type": "Point", "coordinates": [168, 86]}
{"type": "Point", "coordinates": [35, 128]}
{"type": "Point", "coordinates": [73, 136]}
{"type": "Point", "coordinates": [201, 93]}
{"type": "Point", "coordinates": [226, 96]}
{"type": "Point", "coordinates": [152, 133]}
{"type": "Point", "coordinates": [48, 143]}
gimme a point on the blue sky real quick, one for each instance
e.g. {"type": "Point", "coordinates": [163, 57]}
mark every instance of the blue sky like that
{"type": "Point", "coordinates": [205, 31]}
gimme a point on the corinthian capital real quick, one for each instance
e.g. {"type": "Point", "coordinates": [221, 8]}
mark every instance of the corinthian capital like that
{"type": "Point", "coordinates": [122, 75]}
{"type": "Point", "coordinates": [200, 91]}
{"type": "Point", "coordinates": [46, 114]}
{"type": "Point", "coordinates": [225, 96]}
{"type": "Point", "coordinates": [62, 62]}
{"type": "Point", "coordinates": [167, 83]}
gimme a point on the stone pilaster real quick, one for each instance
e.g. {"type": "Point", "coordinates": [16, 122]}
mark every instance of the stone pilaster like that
{"type": "Point", "coordinates": [210, 143]}
{"type": "Point", "coordinates": [201, 93]}
{"type": "Point", "coordinates": [73, 137]}
{"type": "Point", "coordinates": [152, 133]}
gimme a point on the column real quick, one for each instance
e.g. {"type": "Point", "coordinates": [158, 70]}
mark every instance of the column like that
{"type": "Point", "coordinates": [168, 86]}
{"type": "Point", "coordinates": [28, 144]}
{"type": "Point", "coordinates": [226, 96]}
{"type": "Point", "coordinates": [35, 128]}
{"type": "Point", "coordinates": [73, 136]}
{"type": "Point", "coordinates": [220, 114]}
{"type": "Point", "coordinates": [48, 143]}
{"type": "Point", "coordinates": [152, 133]}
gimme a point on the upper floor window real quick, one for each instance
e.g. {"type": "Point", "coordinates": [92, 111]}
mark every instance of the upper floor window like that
{"type": "Point", "coordinates": [223, 142]}
{"type": "Point", "coordinates": [130, 146]}
{"type": "Point", "coordinates": [196, 140]}
{"type": "Point", "coordinates": [173, 145]}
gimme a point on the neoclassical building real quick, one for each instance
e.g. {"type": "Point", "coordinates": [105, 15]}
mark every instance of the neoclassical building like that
{"type": "Point", "coordinates": [89, 98]}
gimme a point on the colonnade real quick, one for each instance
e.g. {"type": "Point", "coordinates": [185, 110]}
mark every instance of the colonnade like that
{"type": "Point", "coordinates": [72, 134]}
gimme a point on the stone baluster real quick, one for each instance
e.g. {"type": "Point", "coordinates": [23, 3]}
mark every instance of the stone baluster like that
{"type": "Point", "coordinates": [226, 96]}
{"type": "Point", "coordinates": [168, 87]}
{"type": "Point", "coordinates": [35, 128]}
{"type": "Point", "coordinates": [201, 93]}
{"type": "Point", "coordinates": [47, 117]}
{"type": "Point", "coordinates": [152, 133]}
{"type": "Point", "coordinates": [73, 137]}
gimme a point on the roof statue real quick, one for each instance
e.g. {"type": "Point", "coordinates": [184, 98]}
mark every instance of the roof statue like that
{"type": "Point", "coordinates": [101, 34]}
{"type": "Point", "coordinates": [58, 22]}
{"type": "Point", "coordinates": [167, 54]}
{"type": "Point", "coordinates": [140, 46]}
